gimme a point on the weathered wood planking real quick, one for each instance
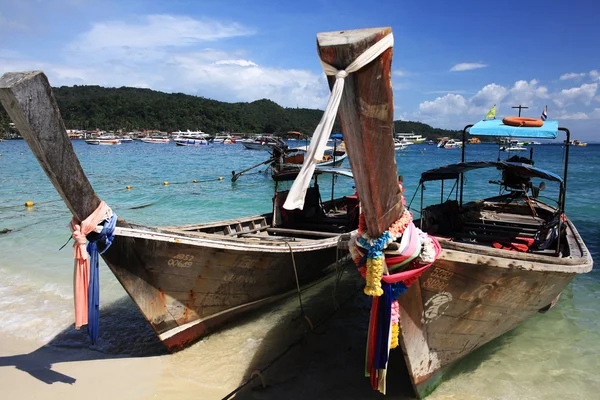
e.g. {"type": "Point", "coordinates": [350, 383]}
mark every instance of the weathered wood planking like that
{"type": "Point", "coordinates": [458, 306]}
{"type": "Point", "coordinates": [366, 113]}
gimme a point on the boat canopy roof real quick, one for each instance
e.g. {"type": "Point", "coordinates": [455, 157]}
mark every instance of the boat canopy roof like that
{"type": "Point", "coordinates": [495, 127]}
{"type": "Point", "coordinates": [305, 148]}
{"type": "Point", "coordinates": [347, 172]}
{"type": "Point", "coordinates": [337, 136]}
{"type": "Point", "coordinates": [453, 171]}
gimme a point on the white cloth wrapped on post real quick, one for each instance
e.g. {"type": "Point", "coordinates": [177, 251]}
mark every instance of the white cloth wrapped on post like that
{"type": "Point", "coordinates": [295, 198]}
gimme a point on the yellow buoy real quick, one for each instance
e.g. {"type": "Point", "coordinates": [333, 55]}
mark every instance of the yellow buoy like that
{"type": "Point", "coordinates": [128, 187]}
{"type": "Point", "coordinates": [195, 180]}
{"type": "Point", "coordinates": [166, 183]}
{"type": "Point", "coordinates": [220, 178]}
{"type": "Point", "coordinates": [29, 203]}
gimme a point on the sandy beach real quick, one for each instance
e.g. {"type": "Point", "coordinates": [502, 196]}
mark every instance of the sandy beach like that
{"type": "Point", "coordinates": [31, 371]}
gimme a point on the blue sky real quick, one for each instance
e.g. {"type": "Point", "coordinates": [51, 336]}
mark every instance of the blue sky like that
{"type": "Point", "coordinates": [453, 60]}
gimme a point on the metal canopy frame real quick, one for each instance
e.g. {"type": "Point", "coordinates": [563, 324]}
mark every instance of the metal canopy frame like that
{"type": "Point", "coordinates": [563, 188]}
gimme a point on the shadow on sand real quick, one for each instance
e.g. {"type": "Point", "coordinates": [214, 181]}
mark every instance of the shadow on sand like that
{"type": "Point", "coordinates": [123, 333]}
{"type": "Point", "coordinates": [328, 363]}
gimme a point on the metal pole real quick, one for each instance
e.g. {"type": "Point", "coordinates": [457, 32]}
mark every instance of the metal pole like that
{"type": "Point", "coordinates": [442, 195]}
{"type": "Point", "coordinates": [421, 210]}
{"type": "Point", "coordinates": [333, 175]}
{"type": "Point", "coordinates": [464, 136]}
{"type": "Point", "coordinates": [568, 144]}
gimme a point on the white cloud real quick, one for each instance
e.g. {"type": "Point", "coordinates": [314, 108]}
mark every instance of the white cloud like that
{"type": "Point", "coordinates": [399, 73]}
{"type": "Point", "coordinates": [572, 75]}
{"type": "Point", "coordinates": [595, 75]}
{"type": "Point", "coordinates": [151, 31]}
{"type": "Point", "coordinates": [168, 53]}
{"type": "Point", "coordinates": [576, 115]}
{"type": "Point", "coordinates": [450, 104]}
{"type": "Point", "coordinates": [467, 67]}
{"type": "Point", "coordinates": [583, 94]}
{"type": "Point", "coordinates": [490, 94]}
{"type": "Point", "coordinates": [239, 63]}
{"type": "Point", "coordinates": [595, 114]}
{"type": "Point", "coordinates": [524, 92]}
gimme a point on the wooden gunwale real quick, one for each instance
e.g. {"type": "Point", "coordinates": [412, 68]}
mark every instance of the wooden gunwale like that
{"type": "Point", "coordinates": [220, 241]}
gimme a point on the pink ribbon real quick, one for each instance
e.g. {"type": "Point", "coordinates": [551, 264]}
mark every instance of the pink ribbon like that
{"type": "Point", "coordinates": [81, 277]}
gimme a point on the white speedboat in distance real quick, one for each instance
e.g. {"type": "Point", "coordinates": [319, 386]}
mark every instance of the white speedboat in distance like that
{"type": "Point", "coordinates": [410, 138]}
{"type": "Point", "coordinates": [513, 146]}
{"type": "Point", "coordinates": [265, 143]}
{"type": "Point", "coordinates": [452, 144]}
{"type": "Point", "coordinates": [191, 142]}
{"type": "Point", "coordinates": [105, 140]}
{"type": "Point", "coordinates": [399, 145]}
{"type": "Point", "coordinates": [156, 139]}
{"type": "Point", "coordinates": [224, 139]}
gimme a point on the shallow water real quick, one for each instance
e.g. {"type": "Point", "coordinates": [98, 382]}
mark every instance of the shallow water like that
{"type": "Point", "coordinates": [555, 355]}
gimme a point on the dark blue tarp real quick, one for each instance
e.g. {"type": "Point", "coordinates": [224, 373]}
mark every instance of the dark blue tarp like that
{"type": "Point", "coordinates": [453, 171]}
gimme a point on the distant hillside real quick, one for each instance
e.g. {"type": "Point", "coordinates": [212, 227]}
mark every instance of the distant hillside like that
{"type": "Point", "coordinates": [133, 109]}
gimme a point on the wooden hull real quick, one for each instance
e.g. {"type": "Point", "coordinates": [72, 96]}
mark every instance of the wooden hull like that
{"type": "Point", "coordinates": [187, 286]}
{"type": "Point", "coordinates": [290, 171]}
{"type": "Point", "coordinates": [468, 298]}
{"type": "Point", "coordinates": [258, 146]}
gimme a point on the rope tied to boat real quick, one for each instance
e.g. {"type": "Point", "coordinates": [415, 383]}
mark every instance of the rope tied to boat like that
{"type": "Point", "coordinates": [416, 251]}
{"type": "Point", "coordinates": [318, 144]}
{"type": "Point", "coordinates": [86, 283]}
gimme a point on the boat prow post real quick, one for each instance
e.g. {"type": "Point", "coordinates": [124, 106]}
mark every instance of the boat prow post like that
{"type": "Point", "coordinates": [366, 115]}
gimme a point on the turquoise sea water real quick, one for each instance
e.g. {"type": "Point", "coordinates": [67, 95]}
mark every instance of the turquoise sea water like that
{"type": "Point", "coordinates": [551, 356]}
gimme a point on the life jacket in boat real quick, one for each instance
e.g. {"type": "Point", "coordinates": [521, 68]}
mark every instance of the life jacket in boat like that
{"type": "Point", "coordinates": [519, 247]}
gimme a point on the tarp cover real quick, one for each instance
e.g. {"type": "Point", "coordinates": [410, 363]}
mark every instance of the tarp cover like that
{"type": "Point", "coordinates": [495, 127]}
{"type": "Point", "coordinates": [454, 170]}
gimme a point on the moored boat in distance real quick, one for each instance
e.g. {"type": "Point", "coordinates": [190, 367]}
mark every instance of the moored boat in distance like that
{"type": "Point", "coordinates": [288, 167]}
{"type": "Point", "coordinates": [513, 145]}
{"type": "Point", "coordinates": [578, 143]}
{"type": "Point", "coordinates": [411, 138]}
{"type": "Point", "coordinates": [156, 139]}
{"type": "Point", "coordinates": [104, 140]}
{"type": "Point", "coordinates": [452, 144]}
{"type": "Point", "coordinates": [190, 142]}
{"type": "Point", "coordinates": [265, 143]}
{"type": "Point", "coordinates": [399, 145]}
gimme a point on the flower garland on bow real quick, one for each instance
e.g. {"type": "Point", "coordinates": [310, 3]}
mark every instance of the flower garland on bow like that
{"type": "Point", "coordinates": [375, 265]}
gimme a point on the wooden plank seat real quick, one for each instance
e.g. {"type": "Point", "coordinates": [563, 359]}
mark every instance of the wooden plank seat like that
{"type": "Point", "coordinates": [301, 232]}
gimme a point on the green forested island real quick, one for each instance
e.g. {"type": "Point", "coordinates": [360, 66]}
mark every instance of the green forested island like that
{"type": "Point", "coordinates": [133, 109]}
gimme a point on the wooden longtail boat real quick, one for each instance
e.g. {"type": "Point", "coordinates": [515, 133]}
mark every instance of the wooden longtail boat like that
{"type": "Point", "coordinates": [474, 292]}
{"type": "Point", "coordinates": [186, 280]}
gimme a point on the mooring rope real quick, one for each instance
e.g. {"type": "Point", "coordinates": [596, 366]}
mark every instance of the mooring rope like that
{"type": "Point", "coordinates": [288, 349]}
{"type": "Point", "coordinates": [310, 324]}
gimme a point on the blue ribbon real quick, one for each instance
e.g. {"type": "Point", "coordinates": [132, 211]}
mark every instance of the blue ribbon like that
{"type": "Point", "coordinates": [384, 312]}
{"type": "Point", "coordinates": [106, 237]}
{"type": "Point", "coordinates": [375, 250]}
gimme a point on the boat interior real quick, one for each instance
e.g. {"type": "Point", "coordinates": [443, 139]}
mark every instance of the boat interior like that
{"type": "Point", "coordinates": [506, 222]}
{"type": "Point", "coordinates": [516, 220]}
{"type": "Point", "coordinates": [317, 220]}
